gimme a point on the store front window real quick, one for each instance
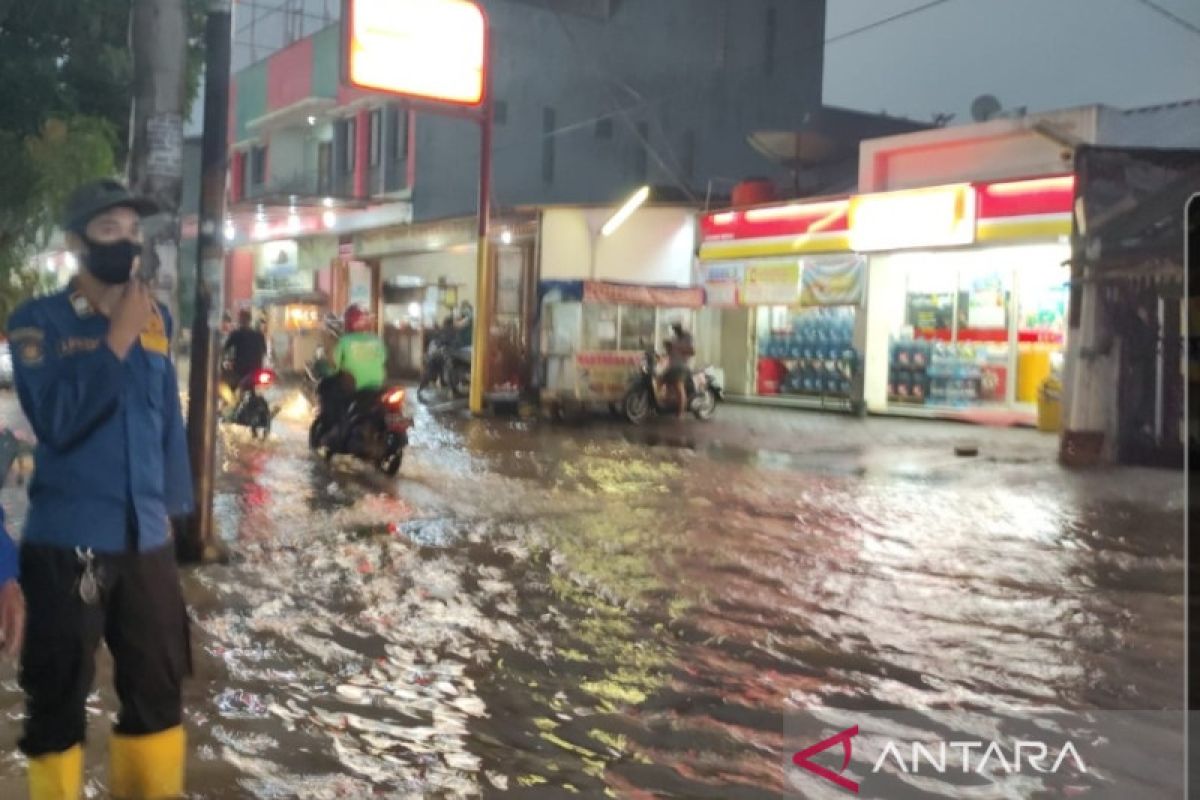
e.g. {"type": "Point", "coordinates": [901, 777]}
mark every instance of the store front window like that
{"type": "Point", "coordinates": [637, 328]}
{"type": "Point", "coordinates": [631, 328]}
{"type": "Point", "coordinates": [806, 351]}
{"type": "Point", "coordinates": [599, 327]}
{"type": "Point", "coordinates": [981, 328]}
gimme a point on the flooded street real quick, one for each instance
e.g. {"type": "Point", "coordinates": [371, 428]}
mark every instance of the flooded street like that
{"type": "Point", "coordinates": [537, 611]}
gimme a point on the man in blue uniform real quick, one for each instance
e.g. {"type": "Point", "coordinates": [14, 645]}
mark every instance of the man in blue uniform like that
{"type": "Point", "coordinates": [94, 377]}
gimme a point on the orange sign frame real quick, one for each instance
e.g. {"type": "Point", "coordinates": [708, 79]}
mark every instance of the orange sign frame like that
{"type": "Point", "coordinates": [428, 50]}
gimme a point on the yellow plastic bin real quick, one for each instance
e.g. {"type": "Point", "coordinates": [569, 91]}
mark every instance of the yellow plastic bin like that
{"type": "Point", "coordinates": [1049, 416]}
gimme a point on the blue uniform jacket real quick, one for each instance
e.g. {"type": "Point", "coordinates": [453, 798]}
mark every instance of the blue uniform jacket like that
{"type": "Point", "coordinates": [111, 446]}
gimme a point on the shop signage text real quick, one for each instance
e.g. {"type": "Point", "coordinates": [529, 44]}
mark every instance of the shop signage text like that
{"type": "Point", "coordinates": [721, 294]}
{"type": "Point", "coordinates": [832, 281]}
{"type": "Point", "coordinates": [941, 216]}
{"type": "Point", "coordinates": [637, 295]}
{"type": "Point", "coordinates": [604, 374]}
{"type": "Point", "coordinates": [427, 49]}
{"type": "Point", "coordinates": [772, 283]}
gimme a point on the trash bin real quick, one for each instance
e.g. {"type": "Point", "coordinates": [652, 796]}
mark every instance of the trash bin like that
{"type": "Point", "coordinates": [1049, 413]}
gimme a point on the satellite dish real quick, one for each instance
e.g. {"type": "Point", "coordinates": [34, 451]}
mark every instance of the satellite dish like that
{"type": "Point", "coordinates": [985, 107]}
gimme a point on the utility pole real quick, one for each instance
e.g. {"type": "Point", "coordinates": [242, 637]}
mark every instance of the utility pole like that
{"type": "Point", "coordinates": [485, 272]}
{"type": "Point", "coordinates": [200, 542]}
{"type": "Point", "coordinates": [158, 38]}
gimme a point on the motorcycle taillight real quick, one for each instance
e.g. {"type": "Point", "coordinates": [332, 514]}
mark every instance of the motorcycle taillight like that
{"type": "Point", "coordinates": [394, 398]}
{"type": "Point", "coordinates": [265, 377]}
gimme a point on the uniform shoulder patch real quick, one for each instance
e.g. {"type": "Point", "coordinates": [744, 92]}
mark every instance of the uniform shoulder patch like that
{"type": "Point", "coordinates": [83, 306]}
{"type": "Point", "coordinates": [28, 345]}
{"type": "Point", "coordinates": [154, 334]}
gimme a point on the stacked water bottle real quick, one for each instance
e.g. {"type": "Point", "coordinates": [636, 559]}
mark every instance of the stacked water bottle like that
{"type": "Point", "coordinates": [818, 351]}
{"type": "Point", "coordinates": [908, 377]}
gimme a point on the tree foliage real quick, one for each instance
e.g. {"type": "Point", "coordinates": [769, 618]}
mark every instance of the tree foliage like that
{"type": "Point", "coordinates": [47, 166]}
{"type": "Point", "coordinates": [65, 98]}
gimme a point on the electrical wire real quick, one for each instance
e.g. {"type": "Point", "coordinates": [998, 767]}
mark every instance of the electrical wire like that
{"type": "Point", "coordinates": [626, 117]}
{"type": "Point", "coordinates": [624, 111]}
{"type": "Point", "coordinates": [1171, 15]}
{"type": "Point", "coordinates": [881, 22]}
{"type": "Point", "coordinates": [647, 103]}
{"type": "Point", "coordinates": [282, 9]}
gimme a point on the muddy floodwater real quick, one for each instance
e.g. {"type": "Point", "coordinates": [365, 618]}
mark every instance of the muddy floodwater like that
{"type": "Point", "coordinates": [531, 610]}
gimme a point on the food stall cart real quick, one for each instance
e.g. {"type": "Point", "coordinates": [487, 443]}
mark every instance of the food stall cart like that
{"type": "Point", "coordinates": [594, 336]}
{"type": "Point", "coordinates": [295, 328]}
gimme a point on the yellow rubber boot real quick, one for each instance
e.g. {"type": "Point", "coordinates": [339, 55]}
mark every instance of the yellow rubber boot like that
{"type": "Point", "coordinates": [56, 776]}
{"type": "Point", "coordinates": [147, 767]}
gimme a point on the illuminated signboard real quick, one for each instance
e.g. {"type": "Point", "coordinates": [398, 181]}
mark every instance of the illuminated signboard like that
{"type": "Point", "coordinates": [938, 217]}
{"type": "Point", "coordinates": [432, 50]}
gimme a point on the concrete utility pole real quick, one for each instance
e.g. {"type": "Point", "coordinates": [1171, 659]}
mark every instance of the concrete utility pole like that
{"type": "Point", "coordinates": [200, 541]}
{"type": "Point", "coordinates": [158, 38]}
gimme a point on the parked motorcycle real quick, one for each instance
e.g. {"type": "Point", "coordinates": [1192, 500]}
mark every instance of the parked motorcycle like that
{"type": "Point", "coordinates": [642, 401]}
{"type": "Point", "coordinates": [373, 428]}
{"type": "Point", "coordinates": [250, 408]}
{"type": "Point", "coordinates": [448, 368]}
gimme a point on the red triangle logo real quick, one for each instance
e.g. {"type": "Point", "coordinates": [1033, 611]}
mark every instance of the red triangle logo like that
{"type": "Point", "coordinates": [801, 759]}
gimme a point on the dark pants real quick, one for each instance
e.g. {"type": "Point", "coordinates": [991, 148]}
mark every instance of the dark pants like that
{"type": "Point", "coordinates": [680, 374]}
{"type": "Point", "coordinates": [365, 400]}
{"type": "Point", "coordinates": [140, 615]}
{"type": "Point", "coordinates": [335, 394]}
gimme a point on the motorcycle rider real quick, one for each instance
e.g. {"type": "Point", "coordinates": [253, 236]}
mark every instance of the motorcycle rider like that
{"type": "Point", "coordinates": [465, 324]}
{"type": "Point", "coordinates": [680, 351]}
{"type": "Point", "coordinates": [245, 350]}
{"type": "Point", "coordinates": [439, 348]}
{"type": "Point", "coordinates": [362, 355]}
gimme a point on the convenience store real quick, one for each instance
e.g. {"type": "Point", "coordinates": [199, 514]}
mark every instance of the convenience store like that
{"type": "Point", "coordinates": [945, 301]}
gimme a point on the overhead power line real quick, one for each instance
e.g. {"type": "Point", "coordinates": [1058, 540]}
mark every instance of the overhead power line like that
{"type": "Point", "coordinates": [644, 104]}
{"type": "Point", "coordinates": [1171, 15]}
{"type": "Point", "coordinates": [886, 20]}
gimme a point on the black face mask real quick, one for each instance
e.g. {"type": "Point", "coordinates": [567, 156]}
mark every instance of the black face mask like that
{"type": "Point", "coordinates": [111, 262]}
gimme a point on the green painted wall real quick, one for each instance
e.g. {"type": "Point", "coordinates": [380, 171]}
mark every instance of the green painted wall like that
{"type": "Point", "coordinates": [327, 47]}
{"type": "Point", "coordinates": [251, 99]}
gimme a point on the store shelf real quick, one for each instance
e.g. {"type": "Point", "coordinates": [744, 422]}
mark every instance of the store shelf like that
{"type": "Point", "coordinates": [798, 401]}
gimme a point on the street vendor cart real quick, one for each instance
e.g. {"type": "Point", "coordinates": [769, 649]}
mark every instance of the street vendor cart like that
{"type": "Point", "coordinates": [594, 337]}
{"type": "Point", "coordinates": [294, 328]}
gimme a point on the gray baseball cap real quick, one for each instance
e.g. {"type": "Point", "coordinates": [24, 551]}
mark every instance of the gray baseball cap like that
{"type": "Point", "coordinates": [98, 196]}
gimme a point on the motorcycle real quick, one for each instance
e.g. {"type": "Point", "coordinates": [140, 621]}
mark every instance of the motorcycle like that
{"type": "Point", "coordinates": [375, 429]}
{"type": "Point", "coordinates": [643, 400]}
{"type": "Point", "coordinates": [446, 367]}
{"type": "Point", "coordinates": [249, 407]}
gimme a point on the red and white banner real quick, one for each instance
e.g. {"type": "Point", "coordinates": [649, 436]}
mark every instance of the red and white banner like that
{"type": "Point", "coordinates": [633, 295]}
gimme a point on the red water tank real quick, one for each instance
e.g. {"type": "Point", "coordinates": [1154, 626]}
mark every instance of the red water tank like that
{"type": "Point", "coordinates": [770, 375]}
{"type": "Point", "coordinates": [752, 192]}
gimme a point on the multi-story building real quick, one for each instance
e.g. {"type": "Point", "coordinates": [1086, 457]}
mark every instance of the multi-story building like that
{"type": "Point", "coordinates": [355, 195]}
{"type": "Point", "coordinates": [592, 97]}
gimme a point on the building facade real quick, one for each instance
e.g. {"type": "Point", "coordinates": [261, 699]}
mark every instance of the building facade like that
{"type": "Point", "coordinates": [366, 200]}
{"type": "Point", "coordinates": [592, 98]}
{"type": "Point", "coordinates": [947, 285]}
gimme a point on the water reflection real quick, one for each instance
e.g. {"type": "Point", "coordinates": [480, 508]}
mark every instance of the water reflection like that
{"type": "Point", "coordinates": [528, 610]}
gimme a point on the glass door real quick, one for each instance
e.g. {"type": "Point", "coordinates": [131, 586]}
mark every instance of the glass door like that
{"type": "Point", "coordinates": [983, 349]}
